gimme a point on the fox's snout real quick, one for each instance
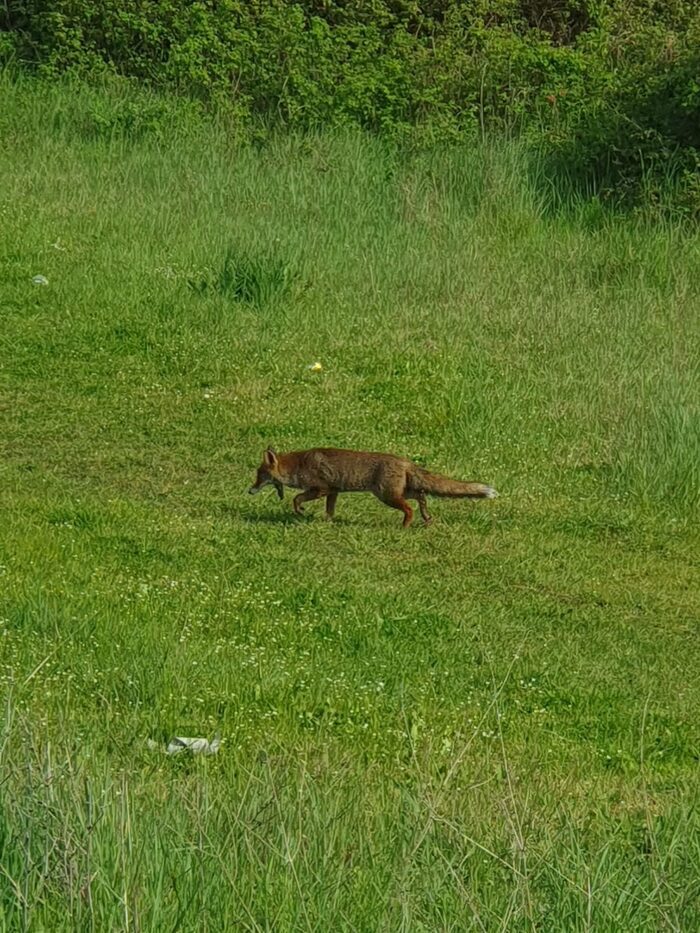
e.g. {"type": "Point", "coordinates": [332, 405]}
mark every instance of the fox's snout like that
{"type": "Point", "coordinates": [257, 487]}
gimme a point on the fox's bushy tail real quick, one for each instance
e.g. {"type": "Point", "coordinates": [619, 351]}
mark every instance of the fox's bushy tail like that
{"type": "Point", "coordinates": [433, 484]}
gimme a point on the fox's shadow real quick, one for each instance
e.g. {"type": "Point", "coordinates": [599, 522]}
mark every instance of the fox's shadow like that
{"type": "Point", "coordinates": [270, 518]}
{"type": "Point", "coordinates": [286, 518]}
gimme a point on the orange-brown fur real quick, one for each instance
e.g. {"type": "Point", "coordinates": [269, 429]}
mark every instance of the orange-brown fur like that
{"type": "Point", "coordinates": [328, 471]}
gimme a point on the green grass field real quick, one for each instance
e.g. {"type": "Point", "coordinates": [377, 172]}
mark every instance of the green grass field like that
{"type": "Point", "coordinates": [490, 724]}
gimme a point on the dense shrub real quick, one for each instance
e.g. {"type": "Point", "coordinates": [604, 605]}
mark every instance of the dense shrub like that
{"type": "Point", "coordinates": [611, 89]}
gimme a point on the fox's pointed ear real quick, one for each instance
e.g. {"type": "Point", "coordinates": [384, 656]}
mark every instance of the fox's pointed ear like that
{"type": "Point", "coordinates": [270, 457]}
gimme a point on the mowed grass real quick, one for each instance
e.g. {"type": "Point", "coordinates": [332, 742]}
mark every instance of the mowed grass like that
{"type": "Point", "coordinates": [489, 724]}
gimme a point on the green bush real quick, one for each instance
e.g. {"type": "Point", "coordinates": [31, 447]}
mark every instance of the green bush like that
{"type": "Point", "coordinates": [611, 90]}
{"type": "Point", "coordinates": [637, 132]}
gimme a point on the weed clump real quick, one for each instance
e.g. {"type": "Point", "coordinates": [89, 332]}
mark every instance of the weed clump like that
{"type": "Point", "coordinates": [254, 280]}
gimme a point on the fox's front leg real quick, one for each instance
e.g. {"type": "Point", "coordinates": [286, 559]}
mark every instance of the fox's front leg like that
{"type": "Point", "coordinates": [308, 495]}
{"type": "Point", "coordinates": [331, 500]}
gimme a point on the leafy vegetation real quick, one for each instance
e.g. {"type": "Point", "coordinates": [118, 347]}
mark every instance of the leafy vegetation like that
{"type": "Point", "coordinates": [610, 91]}
{"type": "Point", "coordinates": [491, 723]}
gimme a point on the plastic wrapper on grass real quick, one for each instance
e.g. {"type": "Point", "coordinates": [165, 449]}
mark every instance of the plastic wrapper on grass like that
{"type": "Point", "coordinates": [194, 746]}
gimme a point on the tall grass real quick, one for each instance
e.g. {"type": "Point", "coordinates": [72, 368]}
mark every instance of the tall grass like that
{"type": "Point", "coordinates": [488, 724]}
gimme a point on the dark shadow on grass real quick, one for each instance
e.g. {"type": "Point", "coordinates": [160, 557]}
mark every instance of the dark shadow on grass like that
{"type": "Point", "coordinates": [482, 525]}
{"type": "Point", "coordinates": [286, 518]}
{"type": "Point", "coordinates": [271, 518]}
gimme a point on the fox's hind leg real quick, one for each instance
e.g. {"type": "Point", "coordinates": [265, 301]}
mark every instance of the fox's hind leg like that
{"type": "Point", "coordinates": [423, 506]}
{"type": "Point", "coordinates": [331, 499]}
{"type": "Point", "coordinates": [397, 502]}
{"type": "Point", "coordinates": [308, 495]}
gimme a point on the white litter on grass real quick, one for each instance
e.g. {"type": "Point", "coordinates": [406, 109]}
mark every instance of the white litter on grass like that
{"type": "Point", "coordinates": [195, 746]}
{"type": "Point", "coordinates": [181, 743]}
{"type": "Point", "coordinates": [40, 280]}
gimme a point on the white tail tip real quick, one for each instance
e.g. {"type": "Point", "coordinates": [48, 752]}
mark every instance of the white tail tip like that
{"type": "Point", "coordinates": [491, 493]}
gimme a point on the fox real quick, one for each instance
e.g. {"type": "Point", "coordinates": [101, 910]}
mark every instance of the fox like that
{"type": "Point", "coordinates": [328, 471]}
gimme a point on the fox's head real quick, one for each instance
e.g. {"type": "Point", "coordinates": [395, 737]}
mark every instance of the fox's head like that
{"type": "Point", "coordinates": [268, 473]}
